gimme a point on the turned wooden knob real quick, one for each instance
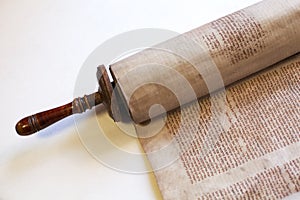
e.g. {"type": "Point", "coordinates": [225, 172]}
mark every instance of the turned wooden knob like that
{"type": "Point", "coordinates": [39, 121]}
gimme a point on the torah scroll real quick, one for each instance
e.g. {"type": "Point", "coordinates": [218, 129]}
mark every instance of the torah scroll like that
{"type": "Point", "coordinates": [241, 143]}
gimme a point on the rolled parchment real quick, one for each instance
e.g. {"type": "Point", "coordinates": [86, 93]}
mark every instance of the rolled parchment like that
{"type": "Point", "coordinates": [208, 58]}
{"type": "Point", "coordinates": [248, 146]}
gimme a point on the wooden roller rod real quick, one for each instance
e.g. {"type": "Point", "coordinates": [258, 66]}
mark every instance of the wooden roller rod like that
{"type": "Point", "coordinates": [39, 121]}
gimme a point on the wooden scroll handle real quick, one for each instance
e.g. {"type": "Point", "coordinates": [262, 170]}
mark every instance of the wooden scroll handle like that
{"type": "Point", "coordinates": [39, 121]}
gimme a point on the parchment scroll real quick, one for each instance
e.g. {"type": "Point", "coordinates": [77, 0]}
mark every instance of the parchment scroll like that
{"type": "Point", "coordinates": [251, 151]}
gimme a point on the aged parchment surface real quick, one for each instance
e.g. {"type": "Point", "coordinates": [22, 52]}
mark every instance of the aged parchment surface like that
{"type": "Point", "coordinates": [256, 154]}
{"type": "Point", "coordinates": [248, 146]}
{"type": "Point", "coordinates": [205, 59]}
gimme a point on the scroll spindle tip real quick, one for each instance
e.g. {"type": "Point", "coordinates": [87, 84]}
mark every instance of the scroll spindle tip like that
{"type": "Point", "coordinates": [22, 127]}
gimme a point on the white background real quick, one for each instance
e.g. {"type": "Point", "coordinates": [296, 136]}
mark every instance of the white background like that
{"type": "Point", "coordinates": [42, 47]}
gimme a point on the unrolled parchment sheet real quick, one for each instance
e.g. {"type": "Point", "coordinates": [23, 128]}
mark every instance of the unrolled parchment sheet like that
{"type": "Point", "coordinates": [252, 153]}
